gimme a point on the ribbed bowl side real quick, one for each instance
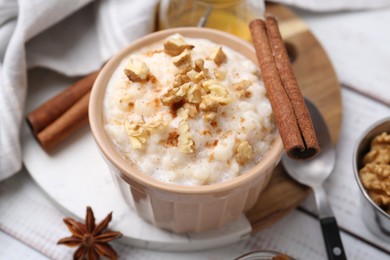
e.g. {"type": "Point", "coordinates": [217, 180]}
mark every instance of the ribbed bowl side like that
{"type": "Point", "coordinates": [207, 214]}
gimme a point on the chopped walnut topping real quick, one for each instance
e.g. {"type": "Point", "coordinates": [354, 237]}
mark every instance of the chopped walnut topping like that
{"type": "Point", "coordinates": [375, 175]}
{"type": "Point", "coordinates": [196, 76]}
{"type": "Point", "coordinates": [183, 113]}
{"type": "Point", "coordinates": [137, 133]}
{"type": "Point", "coordinates": [244, 152]}
{"type": "Point", "coordinates": [175, 46]}
{"type": "Point", "coordinates": [136, 71]}
{"type": "Point", "coordinates": [156, 124]}
{"type": "Point", "coordinates": [216, 92]}
{"type": "Point", "coordinates": [220, 75]}
{"type": "Point", "coordinates": [194, 94]}
{"type": "Point", "coordinates": [192, 109]}
{"type": "Point", "coordinates": [218, 56]}
{"type": "Point", "coordinates": [185, 143]}
{"type": "Point", "coordinates": [180, 79]}
{"type": "Point", "coordinates": [183, 61]}
{"type": "Point", "coordinates": [241, 88]}
{"type": "Point", "coordinates": [170, 97]}
{"type": "Point", "coordinates": [208, 104]}
{"type": "Point", "coordinates": [183, 89]}
{"type": "Point", "coordinates": [199, 65]}
{"type": "Point", "coordinates": [209, 116]}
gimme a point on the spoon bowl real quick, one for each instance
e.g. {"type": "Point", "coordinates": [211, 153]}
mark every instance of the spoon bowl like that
{"type": "Point", "coordinates": [313, 172]}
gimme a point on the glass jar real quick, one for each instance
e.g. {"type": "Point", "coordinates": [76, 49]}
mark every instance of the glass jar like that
{"type": "Point", "coordinates": [231, 16]}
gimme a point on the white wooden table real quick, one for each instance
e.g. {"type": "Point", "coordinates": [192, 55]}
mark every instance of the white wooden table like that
{"type": "Point", "coordinates": [357, 43]}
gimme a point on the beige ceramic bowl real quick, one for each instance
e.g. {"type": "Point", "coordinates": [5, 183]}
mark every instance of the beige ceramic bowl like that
{"type": "Point", "coordinates": [174, 207]}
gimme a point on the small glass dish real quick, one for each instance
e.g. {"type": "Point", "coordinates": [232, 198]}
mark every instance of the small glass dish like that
{"type": "Point", "coordinates": [264, 255]}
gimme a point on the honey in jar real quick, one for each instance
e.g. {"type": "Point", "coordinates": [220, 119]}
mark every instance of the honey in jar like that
{"type": "Point", "coordinates": [232, 16]}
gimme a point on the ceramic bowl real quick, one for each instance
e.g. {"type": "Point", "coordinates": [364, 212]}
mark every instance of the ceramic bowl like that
{"type": "Point", "coordinates": [174, 207]}
{"type": "Point", "coordinates": [376, 219]}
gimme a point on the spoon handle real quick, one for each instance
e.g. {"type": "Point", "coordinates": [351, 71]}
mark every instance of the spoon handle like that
{"type": "Point", "coordinates": [331, 234]}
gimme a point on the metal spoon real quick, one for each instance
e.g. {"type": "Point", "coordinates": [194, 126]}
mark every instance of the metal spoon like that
{"type": "Point", "coordinates": [313, 173]}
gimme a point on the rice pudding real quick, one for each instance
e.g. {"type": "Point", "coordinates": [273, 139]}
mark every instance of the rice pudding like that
{"type": "Point", "coordinates": [189, 111]}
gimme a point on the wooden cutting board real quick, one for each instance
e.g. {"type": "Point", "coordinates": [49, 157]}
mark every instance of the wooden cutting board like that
{"type": "Point", "coordinates": [319, 83]}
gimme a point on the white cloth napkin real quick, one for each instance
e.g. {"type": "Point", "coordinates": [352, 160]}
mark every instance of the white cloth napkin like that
{"type": "Point", "coordinates": [75, 37]}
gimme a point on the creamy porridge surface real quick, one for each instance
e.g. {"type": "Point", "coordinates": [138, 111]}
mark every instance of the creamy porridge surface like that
{"type": "Point", "coordinates": [189, 111]}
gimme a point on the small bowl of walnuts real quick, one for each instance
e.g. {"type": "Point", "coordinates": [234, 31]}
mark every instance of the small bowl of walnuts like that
{"type": "Point", "coordinates": [371, 163]}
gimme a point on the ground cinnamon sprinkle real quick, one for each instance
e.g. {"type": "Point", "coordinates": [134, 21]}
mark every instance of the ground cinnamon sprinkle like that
{"type": "Point", "coordinates": [151, 53]}
{"type": "Point", "coordinates": [156, 103]}
{"type": "Point", "coordinates": [153, 79]}
{"type": "Point", "coordinates": [172, 139]}
{"type": "Point", "coordinates": [175, 106]}
{"type": "Point", "coordinates": [214, 123]}
{"type": "Point", "coordinates": [206, 132]}
{"type": "Point", "coordinates": [212, 143]}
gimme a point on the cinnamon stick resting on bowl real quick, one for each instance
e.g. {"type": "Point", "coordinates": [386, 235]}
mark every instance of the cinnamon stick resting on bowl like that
{"type": "Point", "coordinates": [291, 115]}
{"type": "Point", "coordinates": [63, 114]}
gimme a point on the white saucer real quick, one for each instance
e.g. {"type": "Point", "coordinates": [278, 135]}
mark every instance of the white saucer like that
{"type": "Point", "coordinates": [75, 176]}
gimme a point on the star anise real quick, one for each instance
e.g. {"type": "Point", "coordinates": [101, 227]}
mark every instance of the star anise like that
{"type": "Point", "coordinates": [92, 240]}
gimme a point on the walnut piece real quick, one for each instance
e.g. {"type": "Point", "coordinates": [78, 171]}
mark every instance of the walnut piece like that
{"type": "Point", "coordinates": [219, 74]}
{"type": "Point", "coordinates": [377, 155]}
{"type": "Point", "coordinates": [375, 175]}
{"type": "Point", "coordinates": [137, 133]}
{"type": "Point", "coordinates": [175, 45]}
{"type": "Point", "coordinates": [241, 87]}
{"type": "Point", "coordinates": [196, 77]}
{"type": "Point", "coordinates": [170, 97]}
{"type": "Point", "coordinates": [209, 116]}
{"type": "Point", "coordinates": [209, 104]}
{"type": "Point", "coordinates": [136, 71]}
{"type": "Point", "coordinates": [155, 125]}
{"type": "Point", "coordinates": [183, 61]}
{"type": "Point", "coordinates": [218, 56]}
{"type": "Point", "coordinates": [180, 79]}
{"type": "Point", "coordinates": [217, 92]}
{"type": "Point", "coordinates": [194, 94]}
{"type": "Point", "coordinates": [244, 152]}
{"type": "Point", "coordinates": [185, 143]}
{"type": "Point", "coordinates": [199, 65]}
{"type": "Point", "coordinates": [192, 109]}
{"type": "Point", "coordinates": [382, 140]}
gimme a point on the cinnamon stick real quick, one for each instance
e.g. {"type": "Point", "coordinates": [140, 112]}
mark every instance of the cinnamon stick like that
{"type": "Point", "coordinates": [48, 112]}
{"type": "Point", "coordinates": [75, 117]}
{"type": "Point", "coordinates": [292, 89]}
{"type": "Point", "coordinates": [287, 103]}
